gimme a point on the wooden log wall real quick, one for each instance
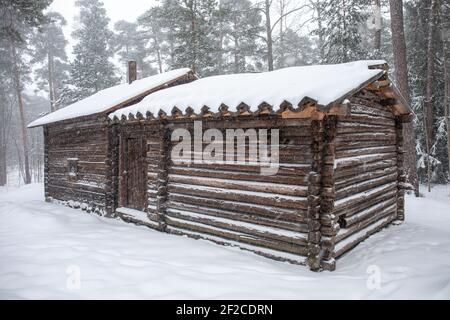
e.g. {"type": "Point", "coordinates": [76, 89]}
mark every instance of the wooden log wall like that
{"type": "Point", "coordinates": [314, 195]}
{"type": "Point", "coordinates": [234, 204]}
{"type": "Point", "coordinates": [46, 165]}
{"type": "Point", "coordinates": [401, 175]}
{"type": "Point", "coordinates": [366, 171]}
{"type": "Point", "coordinates": [86, 141]}
{"type": "Point", "coordinates": [162, 177]}
{"type": "Point", "coordinates": [112, 174]}
{"type": "Point", "coordinates": [328, 222]}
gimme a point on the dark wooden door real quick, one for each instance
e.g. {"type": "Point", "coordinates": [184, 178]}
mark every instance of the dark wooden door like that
{"type": "Point", "coordinates": [135, 174]}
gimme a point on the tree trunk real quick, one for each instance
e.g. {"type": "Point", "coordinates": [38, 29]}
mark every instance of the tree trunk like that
{"type": "Point", "coordinates": [281, 45]}
{"type": "Point", "coordinates": [158, 54]}
{"type": "Point", "coordinates": [401, 75]}
{"type": "Point", "coordinates": [18, 88]}
{"type": "Point", "coordinates": [5, 126]}
{"type": "Point", "coordinates": [344, 32]}
{"type": "Point", "coordinates": [447, 103]}
{"type": "Point", "coordinates": [445, 27]}
{"type": "Point", "coordinates": [3, 173]}
{"type": "Point", "coordinates": [429, 108]}
{"type": "Point", "coordinates": [319, 25]}
{"type": "Point", "coordinates": [194, 43]}
{"type": "Point", "coordinates": [269, 36]}
{"type": "Point", "coordinates": [236, 54]}
{"type": "Point", "coordinates": [377, 24]}
{"type": "Point", "coordinates": [50, 82]}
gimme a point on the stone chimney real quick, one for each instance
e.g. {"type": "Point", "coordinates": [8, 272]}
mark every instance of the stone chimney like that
{"type": "Point", "coordinates": [132, 71]}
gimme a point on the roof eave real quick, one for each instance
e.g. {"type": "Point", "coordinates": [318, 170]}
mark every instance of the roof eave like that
{"type": "Point", "coordinates": [338, 102]}
{"type": "Point", "coordinates": [120, 105]}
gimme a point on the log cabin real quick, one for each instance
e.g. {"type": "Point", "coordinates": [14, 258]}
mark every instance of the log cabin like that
{"type": "Point", "coordinates": [77, 155]}
{"type": "Point", "coordinates": [339, 178]}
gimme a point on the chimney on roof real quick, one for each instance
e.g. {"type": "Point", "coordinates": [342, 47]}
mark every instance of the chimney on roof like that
{"type": "Point", "coordinates": [132, 71]}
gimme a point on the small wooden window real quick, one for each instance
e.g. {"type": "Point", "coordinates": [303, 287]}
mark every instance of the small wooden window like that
{"type": "Point", "coordinates": [72, 169]}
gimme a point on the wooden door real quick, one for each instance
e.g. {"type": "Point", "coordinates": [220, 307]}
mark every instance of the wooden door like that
{"type": "Point", "coordinates": [135, 174]}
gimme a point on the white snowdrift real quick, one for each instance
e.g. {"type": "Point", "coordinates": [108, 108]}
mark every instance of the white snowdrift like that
{"type": "Point", "coordinates": [322, 83]}
{"type": "Point", "coordinates": [108, 98]}
{"type": "Point", "coordinates": [42, 246]}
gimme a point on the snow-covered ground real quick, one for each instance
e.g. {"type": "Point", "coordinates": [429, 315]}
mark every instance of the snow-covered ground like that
{"type": "Point", "coordinates": [50, 251]}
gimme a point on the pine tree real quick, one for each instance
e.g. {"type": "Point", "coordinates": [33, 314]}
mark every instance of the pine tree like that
{"type": "Point", "coordinates": [156, 31]}
{"type": "Point", "coordinates": [342, 20]}
{"type": "Point", "coordinates": [129, 44]}
{"type": "Point", "coordinates": [444, 17]}
{"type": "Point", "coordinates": [417, 25]}
{"type": "Point", "coordinates": [15, 14]}
{"type": "Point", "coordinates": [193, 34]}
{"type": "Point", "coordinates": [271, 22]}
{"type": "Point", "coordinates": [242, 23]}
{"type": "Point", "coordinates": [17, 19]}
{"type": "Point", "coordinates": [50, 53]}
{"type": "Point", "coordinates": [296, 50]}
{"type": "Point", "coordinates": [6, 108]}
{"type": "Point", "coordinates": [401, 77]}
{"type": "Point", "coordinates": [91, 69]}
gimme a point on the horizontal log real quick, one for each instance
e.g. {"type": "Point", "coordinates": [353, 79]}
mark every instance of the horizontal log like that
{"type": "Point", "coordinates": [374, 136]}
{"type": "Point", "coordinates": [363, 176]}
{"type": "Point", "coordinates": [257, 231]}
{"type": "Point", "coordinates": [76, 188]}
{"type": "Point", "coordinates": [79, 196]}
{"type": "Point", "coordinates": [389, 204]}
{"type": "Point", "coordinates": [276, 200]}
{"type": "Point", "coordinates": [257, 219]}
{"type": "Point", "coordinates": [284, 157]}
{"type": "Point", "coordinates": [358, 207]}
{"type": "Point", "coordinates": [363, 167]}
{"type": "Point", "coordinates": [236, 236]}
{"type": "Point", "coordinates": [344, 247]}
{"type": "Point", "coordinates": [349, 162]}
{"type": "Point", "coordinates": [362, 224]}
{"type": "Point", "coordinates": [283, 169]}
{"type": "Point", "coordinates": [239, 175]}
{"type": "Point", "coordinates": [365, 151]}
{"type": "Point", "coordinates": [351, 145]}
{"type": "Point", "coordinates": [366, 185]}
{"type": "Point", "coordinates": [251, 186]}
{"type": "Point", "coordinates": [363, 196]}
{"type": "Point", "coordinates": [361, 109]}
{"type": "Point", "coordinates": [244, 123]}
{"type": "Point", "coordinates": [367, 119]}
{"type": "Point", "coordinates": [272, 254]}
{"type": "Point", "coordinates": [253, 209]}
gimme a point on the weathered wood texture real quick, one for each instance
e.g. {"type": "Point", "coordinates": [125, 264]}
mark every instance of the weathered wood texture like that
{"type": "Point", "coordinates": [366, 173]}
{"type": "Point", "coordinates": [97, 148]}
{"type": "Point", "coordinates": [234, 202]}
{"type": "Point", "coordinates": [87, 143]}
{"type": "Point", "coordinates": [231, 203]}
{"type": "Point", "coordinates": [46, 166]}
{"type": "Point", "coordinates": [150, 136]}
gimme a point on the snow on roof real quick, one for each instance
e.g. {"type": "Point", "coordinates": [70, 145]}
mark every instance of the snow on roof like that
{"type": "Point", "coordinates": [322, 83]}
{"type": "Point", "coordinates": [109, 98]}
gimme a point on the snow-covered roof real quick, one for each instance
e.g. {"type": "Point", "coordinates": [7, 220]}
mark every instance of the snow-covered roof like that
{"type": "Point", "coordinates": [324, 84]}
{"type": "Point", "coordinates": [109, 98]}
